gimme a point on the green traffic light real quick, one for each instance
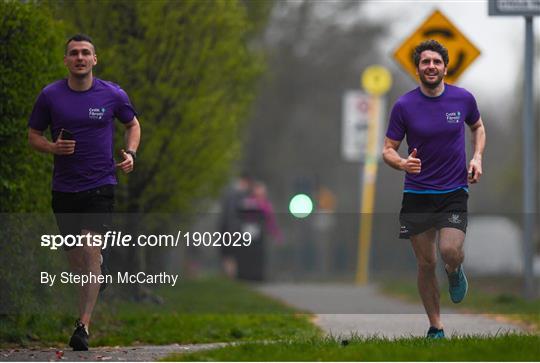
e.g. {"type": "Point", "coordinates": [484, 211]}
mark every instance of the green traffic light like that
{"type": "Point", "coordinates": [301, 206]}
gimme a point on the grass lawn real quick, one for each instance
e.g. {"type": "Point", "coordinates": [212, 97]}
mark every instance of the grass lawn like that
{"type": "Point", "coordinates": [502, 348]}
{"type": "Point", "coordinates": [193, 312]}
{"type": "Point", "coordinates": [509, 347]}
{"type": "Point", "coordinates": [482, 297]}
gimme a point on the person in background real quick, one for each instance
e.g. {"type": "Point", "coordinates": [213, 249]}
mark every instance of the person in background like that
{"type": "Point", "coordinates": [230, 221]}
{"type": "Point", "coordinates": [258, 219]}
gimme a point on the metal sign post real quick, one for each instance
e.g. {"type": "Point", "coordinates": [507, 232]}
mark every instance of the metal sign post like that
{"type": "Point", "coordinates": [528, 9]}
{"type": "Point", "coordinates": [376, 80]}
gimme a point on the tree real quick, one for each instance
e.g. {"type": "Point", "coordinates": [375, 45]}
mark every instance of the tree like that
{"type": "Point", "coordinates": [31, 46]}
{"type": "Point", "coordinates": [29, 59]}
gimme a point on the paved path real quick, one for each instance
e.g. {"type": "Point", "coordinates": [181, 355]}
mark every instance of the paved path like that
{"type": "Point", "coordinates": [137, 353]}
{"type": "Point", "coordinates": [345, 310]}
{"type": "Point", "coordinates": [340, 310]}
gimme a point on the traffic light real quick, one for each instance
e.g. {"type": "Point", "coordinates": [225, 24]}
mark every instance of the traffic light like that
{"type": "Point", "coordinates": [301, 205]}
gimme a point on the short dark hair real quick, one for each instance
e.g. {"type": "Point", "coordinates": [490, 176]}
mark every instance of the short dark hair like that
{"type": "Point", "coordinates": [80, 38]}
{"type": "Point", "coordinates": [432, 45]}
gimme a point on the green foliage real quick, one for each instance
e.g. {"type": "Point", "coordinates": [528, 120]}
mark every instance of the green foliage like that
{"type": "Point", "coordinates": [258, 12]}
{"type": "Point", "coordinates": [195, 311]}
{"type": "Point", "coordinates": [500, 348]}
{"type": "Point", "coordinates": [30, 57]}
{"type": "Point", "coordinates": [21, 261]}
{"type": "Point", "coordinates": [191, 77]}
{"type": "Point", "coordinates": [198, 83]}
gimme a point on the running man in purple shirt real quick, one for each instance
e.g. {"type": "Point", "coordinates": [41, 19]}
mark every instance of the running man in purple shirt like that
{"type": "Point", "coordinates": [432, 117]}
{"type": "Point", "coordinates": [80, 113]}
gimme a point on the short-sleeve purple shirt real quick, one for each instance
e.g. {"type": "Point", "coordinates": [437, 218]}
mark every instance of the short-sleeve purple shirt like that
{"type": "Point", "coordinates": [89, 116]}
{"type": "Point", "coordinates": [435, 126]}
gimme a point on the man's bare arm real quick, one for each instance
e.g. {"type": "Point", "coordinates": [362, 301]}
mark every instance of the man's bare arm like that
{"type": "Point", "coordinates": [38, 141]}
{"type": "Point", "coordinates": [478, 138]}
{"type": "Point", "coordinates": [132, 135]}
{"type": "Point", "coordinates": [411, 165]}
{"type": "Point", "coordinates": [132, 138]}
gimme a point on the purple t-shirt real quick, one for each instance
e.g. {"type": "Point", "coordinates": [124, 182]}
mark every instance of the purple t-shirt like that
{"type": "Point", "coordinates": [435, 126]}
{"type": "Point", "coordinates": [89, 116]}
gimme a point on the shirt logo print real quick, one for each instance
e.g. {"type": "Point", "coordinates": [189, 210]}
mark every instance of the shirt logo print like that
{"type": "Point", "coordinates": [453, 117]}
{"type": "Point", "coordinates": [96, 113]}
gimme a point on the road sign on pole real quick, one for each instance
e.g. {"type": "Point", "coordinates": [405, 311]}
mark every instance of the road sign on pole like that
{"type": "Point", "coordinates": [356, 106]}
{"type": "Point", "coordinates": [461, 50]}
{"type": "Point", "coordinates": [514, 7]}
{"type": "Point", "coordinates": [376, 80]}
{"type": "Point", "coordinates": [528, 9]}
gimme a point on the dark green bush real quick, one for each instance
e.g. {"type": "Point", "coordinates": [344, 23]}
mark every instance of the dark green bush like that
{"type": "Point", "coordinates": [30, 57]}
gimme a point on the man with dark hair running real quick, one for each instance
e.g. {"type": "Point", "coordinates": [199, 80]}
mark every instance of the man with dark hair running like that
{"type": "Point", "coordinates": [80, 113]}
{"type": "Point", "coordinates": [432, 117]}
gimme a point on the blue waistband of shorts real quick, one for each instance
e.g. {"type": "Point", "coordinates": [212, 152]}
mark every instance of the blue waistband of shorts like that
{"type": "Point", "coordinates": [434, 191]}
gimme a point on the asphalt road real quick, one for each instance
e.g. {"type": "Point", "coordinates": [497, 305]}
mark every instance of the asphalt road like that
{"type": "Point", "coordinates": [345, 310]}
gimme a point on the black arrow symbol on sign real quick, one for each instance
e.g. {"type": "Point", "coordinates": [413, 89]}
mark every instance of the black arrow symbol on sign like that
{"type": "Point", "coordinates": [439, 31]}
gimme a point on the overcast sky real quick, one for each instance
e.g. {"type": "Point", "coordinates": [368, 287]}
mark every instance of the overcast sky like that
{"type": "Point", "coordinates": [500, 39]}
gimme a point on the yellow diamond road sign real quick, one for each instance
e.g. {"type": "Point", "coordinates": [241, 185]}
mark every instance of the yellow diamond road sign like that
{"type": "Point", "coordinates": [460, 50]}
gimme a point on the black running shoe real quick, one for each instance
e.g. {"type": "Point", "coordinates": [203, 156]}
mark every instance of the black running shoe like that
{"type": "Point", "coordinates": [79, 339]}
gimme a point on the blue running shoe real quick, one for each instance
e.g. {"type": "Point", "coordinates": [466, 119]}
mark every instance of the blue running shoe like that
{"type": "Point", "coordinates": [458, 285]}
{"type": "Point", "coordinates": [434, 333]}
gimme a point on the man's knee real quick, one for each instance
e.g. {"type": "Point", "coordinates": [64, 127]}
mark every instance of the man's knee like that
{"type": "Point", "coordinates": [452, 253]}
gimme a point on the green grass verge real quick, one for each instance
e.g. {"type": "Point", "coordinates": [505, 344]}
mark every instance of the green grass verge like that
{"type": "Point", "coordinates": [193, 312]}
{"type": "Point", "coordinates": [502, 348]}
{"type": "Point", "coordinates": [480, 298]}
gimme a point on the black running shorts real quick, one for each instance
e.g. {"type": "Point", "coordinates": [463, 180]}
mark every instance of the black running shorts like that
{"type": "Point", "coordinates": [421, 212]}
{"type": "Point", "coordinates": [90, 210]}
